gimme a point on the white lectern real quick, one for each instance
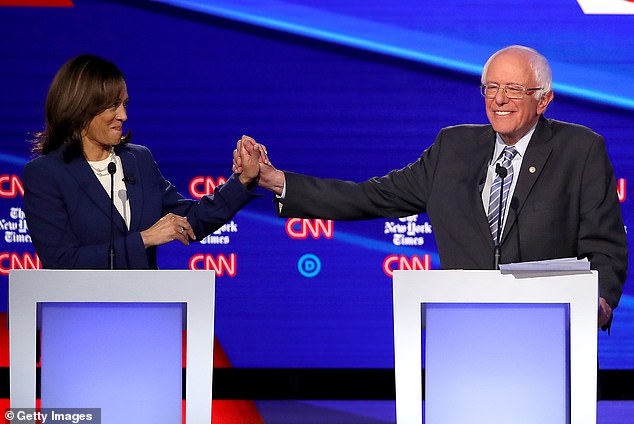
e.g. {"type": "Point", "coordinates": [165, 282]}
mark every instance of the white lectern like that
{"type": "Point", "coordinates": [107, 333]}
{"type": "Point", "coordinates": [518, 348]}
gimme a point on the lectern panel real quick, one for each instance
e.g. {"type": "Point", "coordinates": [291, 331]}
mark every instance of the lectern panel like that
{"type": "Point", "coordinates": [542, 304]}
{"type": "Point", "coordinates": [193, 289]}
{"type": "Point", "coordinates": [499, 360]}
{"type": "Point", "coordinates": [108, 355]}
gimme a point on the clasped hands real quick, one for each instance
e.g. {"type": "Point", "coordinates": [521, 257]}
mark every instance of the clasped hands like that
{"type": "Point", "coordinates": [250, 163]}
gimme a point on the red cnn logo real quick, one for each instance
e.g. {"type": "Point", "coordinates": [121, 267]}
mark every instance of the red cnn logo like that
{"type": "Point", "coordinates": [221, 264]}
{"type": "Point", "coordinates": [621, 187]}
{"type": "Point", "coordinates": [299, 229]}
{"type": "Point", "coordinates": [394, 262]}
{"type": "Point", "coordinates": [10, 186]}
{"type": "Point", "coordinates": [12, 260]}
{"type": "Point", "coordinates": [202, 186]}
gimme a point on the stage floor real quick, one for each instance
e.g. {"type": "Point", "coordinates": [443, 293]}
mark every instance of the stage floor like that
{"type": "Point", "coordinates": [383, 412]}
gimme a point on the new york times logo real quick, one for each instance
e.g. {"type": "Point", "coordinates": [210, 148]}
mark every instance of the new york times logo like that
{"type": "Point", "coordinates": [407, 231]}
{"type": "Point", "coordinates": [53, 415]}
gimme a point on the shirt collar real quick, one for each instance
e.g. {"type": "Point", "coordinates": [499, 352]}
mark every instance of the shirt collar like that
{"type": "Point", "coordinates": [520, 146]}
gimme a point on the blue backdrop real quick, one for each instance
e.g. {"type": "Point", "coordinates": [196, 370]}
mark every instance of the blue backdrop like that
{"type": "Point", "coordinates": [339, 89]}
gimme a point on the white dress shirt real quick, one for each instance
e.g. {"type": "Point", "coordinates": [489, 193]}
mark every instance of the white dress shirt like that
{"type": "Point", "coordinates": [521, 147]}
{"type": "Point", "coordinates": [121, 201]}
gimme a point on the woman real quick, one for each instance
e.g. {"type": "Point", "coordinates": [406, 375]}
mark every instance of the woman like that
{"type": "Point", "coordinates": [67, 188]}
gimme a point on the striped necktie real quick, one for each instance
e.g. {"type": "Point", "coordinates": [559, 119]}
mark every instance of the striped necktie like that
{"type": "Point", "coordinates": [508, 154]}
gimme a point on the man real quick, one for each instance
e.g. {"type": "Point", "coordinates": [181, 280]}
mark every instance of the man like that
{"type": "Point", "coordinates": [558, 191]}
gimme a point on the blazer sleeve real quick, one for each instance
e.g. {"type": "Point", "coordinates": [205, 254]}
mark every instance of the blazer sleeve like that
{"type": "Point", "coordinates": [602, 236]}
{"type": "Point", "coordinates": [400, 193]}
{"type": "Point", "coordinates": [211, 211]}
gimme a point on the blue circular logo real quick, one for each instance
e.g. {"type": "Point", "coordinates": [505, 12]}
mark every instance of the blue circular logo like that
{"type": "Point", "coordinates": [309, 265]}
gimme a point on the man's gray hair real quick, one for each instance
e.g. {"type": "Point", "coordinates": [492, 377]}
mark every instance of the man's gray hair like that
{"type": "Point", "coordinates": [537, 62]}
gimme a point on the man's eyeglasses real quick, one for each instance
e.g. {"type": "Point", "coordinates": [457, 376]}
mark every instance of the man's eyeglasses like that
{"type": "Point", "coordinates": [512, 91]}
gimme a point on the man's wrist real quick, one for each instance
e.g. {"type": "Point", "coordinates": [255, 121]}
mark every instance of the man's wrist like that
{"type": "Point", "coordinates": [274, 181]}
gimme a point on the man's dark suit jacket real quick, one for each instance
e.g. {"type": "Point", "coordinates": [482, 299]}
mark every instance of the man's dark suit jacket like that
{"type": "Point", "coordinates": [68, 210]}
{"type": "Point", "coordinates": [565, 202]}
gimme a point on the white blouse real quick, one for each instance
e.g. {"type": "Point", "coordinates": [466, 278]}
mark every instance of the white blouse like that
{"type": "Point", "coordinates": [121, 201]}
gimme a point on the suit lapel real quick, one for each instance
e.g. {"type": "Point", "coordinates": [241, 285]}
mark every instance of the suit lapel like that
{"type": "Point", "coordinates": [87, 182]}
{"type": "Point", "coordinates": [533, 163]}
{"type": "Point", "coordinates": [480, 161]}
{"type": "Point", "coordinates": [135, 192]}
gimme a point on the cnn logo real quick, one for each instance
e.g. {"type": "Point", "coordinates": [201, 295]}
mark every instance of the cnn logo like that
{"type": "Point", "coordinates": [12, 260]}
{"type": "Point", "coordinates": [221, 264]}
{"type": "Point", "coordinates": [402, 262]}
{"type": "Point", "coordinates": [11, 186]}
{"type": "Point", "coordinates": [300, 229]}
{"type": "Point", "coordinates": [201, 186]}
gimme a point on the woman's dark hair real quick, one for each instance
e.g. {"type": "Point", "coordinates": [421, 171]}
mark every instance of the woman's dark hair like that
{"type": "Point", "coordinates": [84, 87]}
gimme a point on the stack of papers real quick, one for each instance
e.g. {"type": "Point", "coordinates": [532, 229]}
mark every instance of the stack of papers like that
{"type": "Point", "coordinates": [562, 264]}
